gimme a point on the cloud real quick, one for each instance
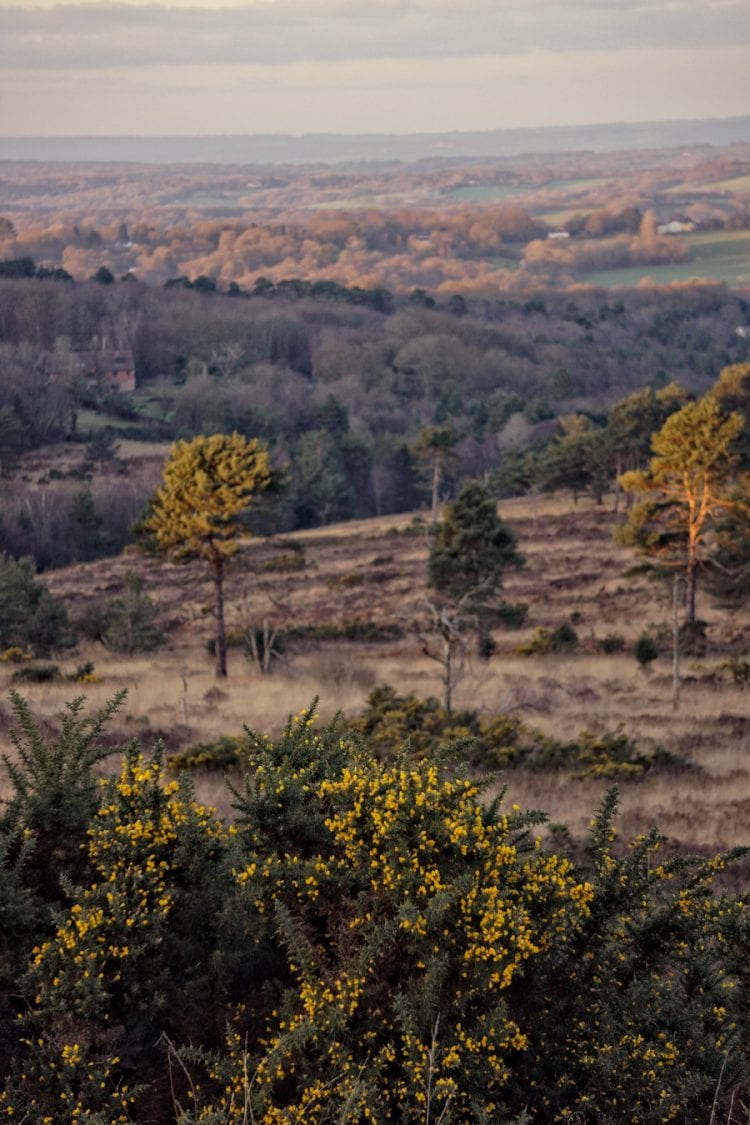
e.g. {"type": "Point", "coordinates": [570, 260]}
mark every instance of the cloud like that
{"type": "Point", "coordinates": [391, 96]}
{"type": "Point", "coordinates": [95, 35]}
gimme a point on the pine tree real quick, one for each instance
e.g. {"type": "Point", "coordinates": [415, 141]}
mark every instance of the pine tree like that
{"type": "Point", "coordinates": [437, 446]}
{"type": "Point", "coordinates": [208, 484]}
{"type": "Point", "coordinates": [470, 551]}
{"type": "Point", "coordinates": [29, 614]}
{"type": "Point", "coordinates": [687, 486]}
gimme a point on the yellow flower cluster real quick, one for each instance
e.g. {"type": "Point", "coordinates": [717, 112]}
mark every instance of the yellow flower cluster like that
{"type": "Point", "coordinates": [430, 879]}
{"type": "Point", "coordinates": [117, 919]}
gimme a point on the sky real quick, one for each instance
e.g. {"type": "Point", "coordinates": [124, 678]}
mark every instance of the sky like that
{"type": "Point", "coordinates": [187, 67]}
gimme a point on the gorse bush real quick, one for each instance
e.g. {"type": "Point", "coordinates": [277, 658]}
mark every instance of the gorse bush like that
{"type": "Point", "coordinates": [137, 954]}
{"type": "Point", "coordinates": [225, 753]}
{"type": "Point", "coordinates": [365, 941]}
{"type": "Point", "coordinates": [391, 720]}
{"type": "Point", "coordinates": [561, 639]}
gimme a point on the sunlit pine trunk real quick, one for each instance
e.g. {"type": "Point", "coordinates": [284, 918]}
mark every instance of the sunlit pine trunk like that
{"type": "Point", "coordinates": [699, 509]}
{"type": "Point", "coordinates": [691, 582]}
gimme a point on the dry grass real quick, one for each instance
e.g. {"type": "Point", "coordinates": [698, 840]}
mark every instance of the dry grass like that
{"type": "Point", "coordinates": [374, 570]}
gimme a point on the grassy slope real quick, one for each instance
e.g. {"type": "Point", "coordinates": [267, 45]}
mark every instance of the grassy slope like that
{"type": "Point", "coordinates": [572, 570]}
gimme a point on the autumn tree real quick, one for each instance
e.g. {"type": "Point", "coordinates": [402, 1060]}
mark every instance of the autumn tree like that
{"type": "Point", "coordinates": [686, 488]}
{"type": "Point", "coordinates": [208, 483]}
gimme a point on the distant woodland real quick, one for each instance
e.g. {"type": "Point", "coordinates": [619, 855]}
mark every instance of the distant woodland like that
{"type": "Point", "coordinates": [376, 326]}
{"type": "Point", "coordinates": [344, 387]}
{"type": "Point", "coordinates": [450, 226]}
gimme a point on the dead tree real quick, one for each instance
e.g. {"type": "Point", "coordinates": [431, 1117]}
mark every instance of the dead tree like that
{"type": "Point", "coordinates": [260, 645]}
{"type": "Point", "coordinates": [446, 643]}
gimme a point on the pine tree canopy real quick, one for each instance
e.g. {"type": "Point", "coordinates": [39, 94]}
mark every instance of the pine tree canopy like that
{"type": "Point", "coordinates": [688, 485]}
{"type": "Point", "coordinates": [208, 483]}
{"type": "Point", "coordinates": [472, 547]}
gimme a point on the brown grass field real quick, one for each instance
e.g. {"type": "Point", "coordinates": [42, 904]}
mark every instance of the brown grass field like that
{"type": "Point", "coordinates": [375, 571]}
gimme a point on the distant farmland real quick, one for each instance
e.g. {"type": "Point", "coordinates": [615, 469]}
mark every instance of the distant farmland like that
{"type": "Point", "coordinates": [717, 255]}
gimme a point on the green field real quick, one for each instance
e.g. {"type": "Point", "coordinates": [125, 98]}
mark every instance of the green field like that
{"type": "Point", "coordinates": [739, 184]}
{"type": "Point", "coordinates": [228, 200]}
{"type": "Point", "coordinates": [485, 193]}
{"type": "Point", "coordinates": [90, 420]}
{"type": "Point", "coordinates": [365, 202]}
{"type": "Point", "coordinates": [716, 255]}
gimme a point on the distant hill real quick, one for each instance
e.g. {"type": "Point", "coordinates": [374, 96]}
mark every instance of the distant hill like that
{"type": "Point", "coordinates": [345, 148]}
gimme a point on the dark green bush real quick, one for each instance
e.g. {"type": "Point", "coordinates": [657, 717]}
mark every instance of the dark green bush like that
{"type": "Point", "coordinates": [29, 614]}
{"type": "Point", "coordinates": [127, 624]}
{"type": "Point", "coordinates": [613, 642]}
{"type": "Point", "coordinates": [738, 669]}
{"type": "Point", "coordinates": [510, 615]}
{"type": "Point", "coordinates": [37, 674]}
{"type": "Point", "coordinates": [645, 650]}
{"type": "Point", "coordinates": [281, 564]}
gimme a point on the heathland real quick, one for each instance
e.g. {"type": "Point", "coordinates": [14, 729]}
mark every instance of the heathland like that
{"type": "Point", "coordinates": [347, 604]}
{"type": "Point", "coordinates": [264, 847]}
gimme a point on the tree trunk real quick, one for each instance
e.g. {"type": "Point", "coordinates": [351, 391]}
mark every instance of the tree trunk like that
{"type": "Point", "coordinates": [448, 675]}
{"type": "Point", "coordinates": [436, 466]}
{"type": "Point", "coordinates": [485, 643]}
{"type": "Point", "coordinates": [676, 642]}
{"type": "Point", "coordinates": [691, 581]}
{"type": "Point", "coordinates": [221, 636]}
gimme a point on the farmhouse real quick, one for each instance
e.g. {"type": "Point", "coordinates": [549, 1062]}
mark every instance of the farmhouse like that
{"type": "Point", "coordinates": [108, 370]}
{"type": "Point", "coordinates": [676, 226]}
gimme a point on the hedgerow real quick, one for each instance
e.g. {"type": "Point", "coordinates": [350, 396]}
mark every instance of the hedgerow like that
{"type": "Point", "coordinates": [365, 940]}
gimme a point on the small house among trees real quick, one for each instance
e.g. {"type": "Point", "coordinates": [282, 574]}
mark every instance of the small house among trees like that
{"type": "Point", "coordinates": [108, 370]}
{"type": "Point", "coordinates": [103, 368]}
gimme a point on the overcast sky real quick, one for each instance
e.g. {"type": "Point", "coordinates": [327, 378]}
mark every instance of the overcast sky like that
{"type": "Point", "coordinates": [395, 66]}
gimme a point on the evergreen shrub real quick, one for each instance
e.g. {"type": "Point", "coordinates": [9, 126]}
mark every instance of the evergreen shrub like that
{"type": "Point", "coordinates": [391, 720]}
{"type": "Point", "coordinates": [37, 674]}
{"type": "Point", "coordinates": [561, 639]}
{"type": "Point", "coordinates": [613, 642]}
{"type": "Point", "coordinates": [645, 650]}
{"type": "Point", "coordinates": [30, 617]}
{"type": "Point", "coordinates": [363, 941]}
